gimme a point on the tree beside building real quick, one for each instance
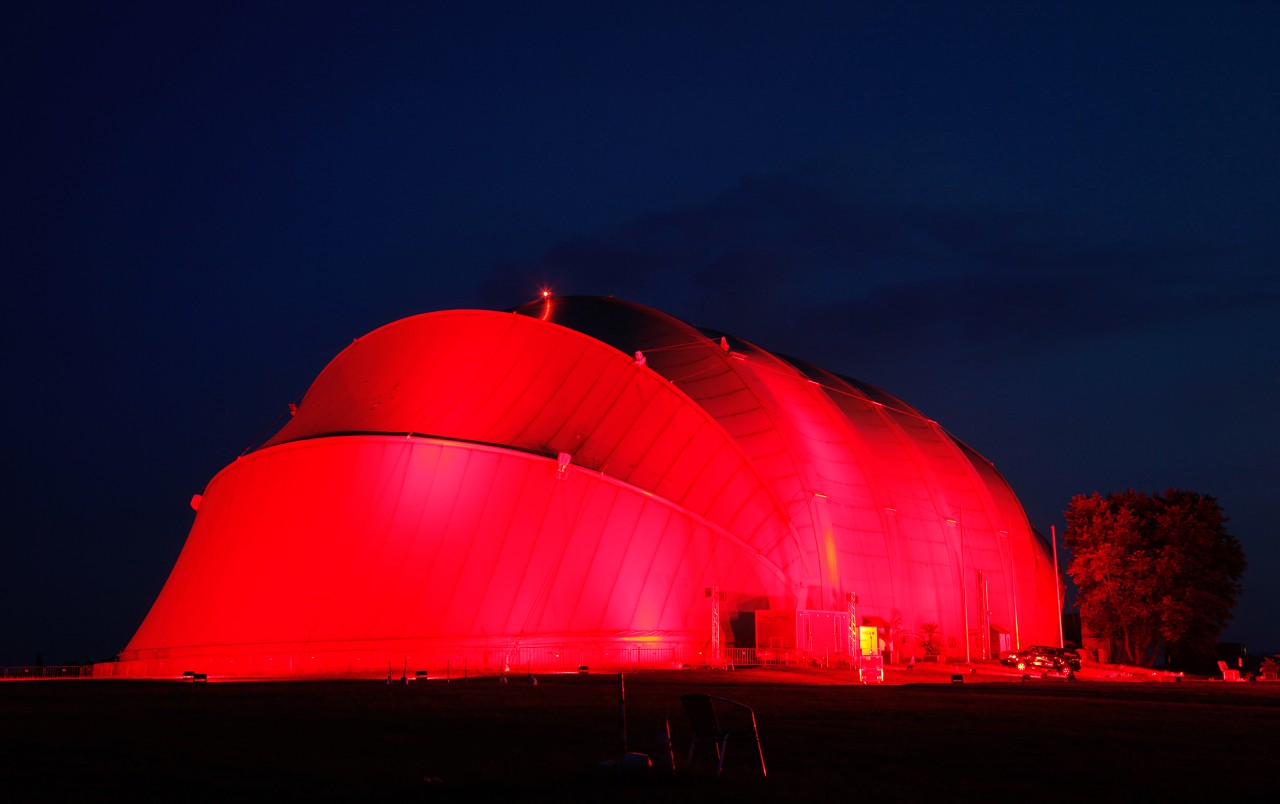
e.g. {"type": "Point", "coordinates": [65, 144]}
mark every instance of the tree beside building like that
{"type": "Point", "coordinates": [1157, 574]}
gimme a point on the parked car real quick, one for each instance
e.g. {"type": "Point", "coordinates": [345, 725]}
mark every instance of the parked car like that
{"type": "Point", "coordinates": [1042, 656]}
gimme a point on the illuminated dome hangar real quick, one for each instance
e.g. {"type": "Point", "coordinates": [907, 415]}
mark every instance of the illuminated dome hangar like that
{"type": "Point", "coordinates": [586, 480]}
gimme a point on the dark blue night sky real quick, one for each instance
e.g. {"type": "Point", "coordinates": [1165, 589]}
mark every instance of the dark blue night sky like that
{"type": "Point", "coordinates": [1054, 231]}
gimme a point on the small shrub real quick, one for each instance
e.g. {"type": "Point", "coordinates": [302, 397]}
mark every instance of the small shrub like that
{"type": "Point", "coordinates": [932, 640]}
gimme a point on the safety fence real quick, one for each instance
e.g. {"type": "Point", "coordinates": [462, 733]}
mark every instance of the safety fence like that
{"type": "Point", "coordinates": [453, 661]}
{"type": "Point", "coordinates": [512, 660]}
{"type": "Point", "coordinates": [47, 671]}
{"type": "Point", "coordinates": [787, 657]}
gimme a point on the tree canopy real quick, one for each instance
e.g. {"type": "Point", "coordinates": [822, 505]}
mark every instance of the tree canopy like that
{"type": "Point", "coordinates": [1155, 572]}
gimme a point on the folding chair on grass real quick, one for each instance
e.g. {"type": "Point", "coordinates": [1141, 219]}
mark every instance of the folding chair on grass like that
{"type": "Point", "coordinates": [708, 730]}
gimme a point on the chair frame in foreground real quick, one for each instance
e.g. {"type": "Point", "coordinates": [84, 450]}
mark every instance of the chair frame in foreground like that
{"type": "Point", "coordinates": [701, 709]}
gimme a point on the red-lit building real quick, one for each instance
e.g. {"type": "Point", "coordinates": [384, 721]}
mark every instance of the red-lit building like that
{"type": "Point", "coordinates": [565, 484]}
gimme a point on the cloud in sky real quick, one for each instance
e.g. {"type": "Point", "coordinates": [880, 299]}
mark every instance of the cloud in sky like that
{"type": "Point", "coordinates": [780, 253]}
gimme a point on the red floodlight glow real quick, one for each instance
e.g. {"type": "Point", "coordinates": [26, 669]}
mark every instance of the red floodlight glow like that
{"type": "Point", "coordinates": [350, 542]}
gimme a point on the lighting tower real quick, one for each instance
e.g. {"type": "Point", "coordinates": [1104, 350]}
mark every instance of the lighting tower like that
{"type": "Point", "coordinates": [855, 641]}
{"type": "Point", "coordinates": [716, 595]}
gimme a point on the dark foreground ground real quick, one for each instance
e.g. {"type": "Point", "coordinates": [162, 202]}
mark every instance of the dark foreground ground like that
{"type": "Point", "coordinates": [1046, 740]}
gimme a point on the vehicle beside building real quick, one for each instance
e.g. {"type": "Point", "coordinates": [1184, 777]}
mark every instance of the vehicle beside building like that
{"type": "Point", "coordinates": [1043, 657]}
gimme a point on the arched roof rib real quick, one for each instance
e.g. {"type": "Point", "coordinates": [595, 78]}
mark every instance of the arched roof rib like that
{"type": "Point", "coordinates": [713, 378]}
{"type": "Point", "coordinates": [983, 491]}
{"type": "Point", "coordinates": [787, 428]}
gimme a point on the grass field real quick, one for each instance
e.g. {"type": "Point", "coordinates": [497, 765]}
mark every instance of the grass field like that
{"type": "Point", "coordinates": [823, 739]}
